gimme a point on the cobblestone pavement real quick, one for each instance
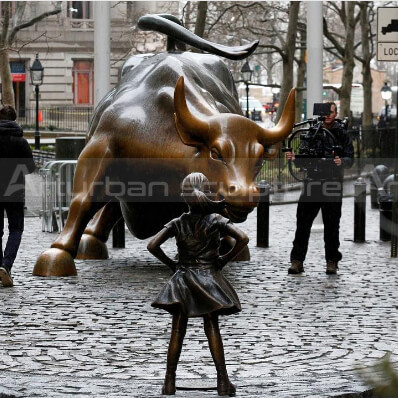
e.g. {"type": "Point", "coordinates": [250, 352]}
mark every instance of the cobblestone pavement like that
{"type": "Point", "coordinates": [96, 334]}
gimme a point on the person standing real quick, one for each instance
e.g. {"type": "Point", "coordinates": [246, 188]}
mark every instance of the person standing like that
{"type": "Point", "coordinates": [198, 288]}
{"type": "Point", "coordinates": [323, 190]}
{"type": "Point", "coordinates": [16, 160]}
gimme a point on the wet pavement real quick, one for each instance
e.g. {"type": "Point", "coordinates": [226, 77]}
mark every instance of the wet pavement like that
{"type": "Point", "coordinates": [96, 335]}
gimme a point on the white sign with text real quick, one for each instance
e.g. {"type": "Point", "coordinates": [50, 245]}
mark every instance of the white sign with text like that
{"type": "Point", "coordinates": [387, 33]}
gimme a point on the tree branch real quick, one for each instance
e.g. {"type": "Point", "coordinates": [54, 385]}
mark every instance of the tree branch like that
{"type": "Point", "coordinates": [19, 12]}
{"type": "Point", "coordinates": [226, 9]}
{"type": "Point", "coordinates": [332, 39]}
{"type": "Point", "coordinates": [34, 20]}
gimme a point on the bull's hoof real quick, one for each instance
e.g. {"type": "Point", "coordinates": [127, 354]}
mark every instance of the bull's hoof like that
{"type": "Point", "coordinates": [227, 243]}
{"type": "Point", "coordinates": [55, 262]}
{"type": "Point", "coordinates": [91, 248]}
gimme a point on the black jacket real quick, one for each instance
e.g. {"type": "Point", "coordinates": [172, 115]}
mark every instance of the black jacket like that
{"type": "Point", "coordinates": [326, 168]}
{"type": "Point", "coordinates": [16, 161]}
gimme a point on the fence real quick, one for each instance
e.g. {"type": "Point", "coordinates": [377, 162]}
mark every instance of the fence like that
{"type": "Point", "coordinates": [42, 157]}
{"type": "Point", "coordinates": [65, 118]}
{"type": "Point", "coordinates": [57, 182]}
{"type": "Point", "coordinates": [372, 147]}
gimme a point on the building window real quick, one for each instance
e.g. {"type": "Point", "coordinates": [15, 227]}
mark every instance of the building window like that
{"type": "Point", "coordinates": [18, 75]}
{"type": "Point", "coordinates": [83, 82]}
{"type": "Point", "coordinates": [80, 9]}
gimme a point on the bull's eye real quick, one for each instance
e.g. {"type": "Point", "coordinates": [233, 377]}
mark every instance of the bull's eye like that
{"type": "Point", "coordinates": [216, 155]}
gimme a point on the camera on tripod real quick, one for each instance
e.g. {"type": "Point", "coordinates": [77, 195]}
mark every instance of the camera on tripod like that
{"type": "Point", "coordinates": [321, 109]}
{"type": "Point", "coordinates": [314, 145]}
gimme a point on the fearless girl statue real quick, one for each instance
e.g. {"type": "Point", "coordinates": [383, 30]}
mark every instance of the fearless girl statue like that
{"type": "Point", "coordinates": [198, 287]}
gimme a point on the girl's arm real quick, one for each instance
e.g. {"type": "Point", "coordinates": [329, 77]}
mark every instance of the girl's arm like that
{"type": "Point", "coordinates": [241, 241]}
{"type": "Point", "coordinates": [154, 247]}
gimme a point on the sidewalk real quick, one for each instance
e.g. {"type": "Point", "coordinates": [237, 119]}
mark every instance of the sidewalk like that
{"type": "Point", "coordinates": [96, 335]}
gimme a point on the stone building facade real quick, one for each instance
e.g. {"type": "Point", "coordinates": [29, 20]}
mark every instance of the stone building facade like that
{"type": "Point", "coordinates": [65, 46]}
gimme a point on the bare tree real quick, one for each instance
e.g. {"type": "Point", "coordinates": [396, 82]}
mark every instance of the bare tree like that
{"type": "Point", "coordinates": [201, 18]}
{"type": "Point", "coordinates": [342, 39]}
{"type": "Point", "coordinates": [287, 53]}
{"type": "Point", "coordinates": [10, 26]}
{"type": "Point", "coordinates": [273, 23]}
{"type": "Point", "coordinates": [368, 52]}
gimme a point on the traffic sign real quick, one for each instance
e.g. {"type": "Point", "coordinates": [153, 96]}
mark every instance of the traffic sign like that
{"type": "Point", "coordinates": [387, 33]}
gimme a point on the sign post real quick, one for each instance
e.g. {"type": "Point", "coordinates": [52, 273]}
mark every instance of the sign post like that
{"type": "Point", "coordinates": [387, 33]}
{"type": "Point", "coordinates": [387, 50]}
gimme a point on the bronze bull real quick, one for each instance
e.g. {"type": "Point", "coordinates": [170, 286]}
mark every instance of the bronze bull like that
{"type": "Point", "coordinates": [170, 115]}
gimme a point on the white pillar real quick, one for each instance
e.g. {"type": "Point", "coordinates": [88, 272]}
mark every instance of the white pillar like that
{"type": "Point", "coordinates": [314, 54]}
{"type": "Point", "coordinates": [102, 34]}
{"type": "Point", "coordinates": [314, 68]}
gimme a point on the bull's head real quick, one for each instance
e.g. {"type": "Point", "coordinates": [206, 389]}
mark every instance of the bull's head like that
{"type": "Point", "coordinates": [230, 150]}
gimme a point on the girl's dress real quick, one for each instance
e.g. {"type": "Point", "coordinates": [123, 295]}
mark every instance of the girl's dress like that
{"type": "Point", "coordinates": [198, 287]}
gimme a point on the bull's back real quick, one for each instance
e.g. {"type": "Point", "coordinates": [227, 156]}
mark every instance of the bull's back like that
{"type": "Point", "coordinates": [141, 106]}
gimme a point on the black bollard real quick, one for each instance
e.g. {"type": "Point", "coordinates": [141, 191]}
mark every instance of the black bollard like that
{"type": "Point", "coordinates": [119, 235]}
{"type": "Point", "coordinates": [385, 221]}
{"type": "Point", "coordinates": [263, 215]}
{"type": "Point", "coordinates": [359, 210]}
{"type": "Point", "coordinates": [385, 200]}
{"type": "Point", "coordinates": [373, 196]}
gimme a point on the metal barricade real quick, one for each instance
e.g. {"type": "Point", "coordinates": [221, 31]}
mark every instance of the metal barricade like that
{"type": "Point", "coordinates": [57, 179]}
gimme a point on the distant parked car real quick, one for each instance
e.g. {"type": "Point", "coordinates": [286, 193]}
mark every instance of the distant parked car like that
{"type": "Point", "coordinates": [256, 110]}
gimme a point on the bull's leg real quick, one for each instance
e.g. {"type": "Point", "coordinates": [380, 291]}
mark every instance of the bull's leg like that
{"type": "Point", "coordinates": [93, 242]}
{"type": "Point", "coordinates": [88, 198]}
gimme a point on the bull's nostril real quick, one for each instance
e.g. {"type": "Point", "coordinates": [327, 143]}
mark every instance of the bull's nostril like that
{"type": "Point", "coordinates": [232, 189]}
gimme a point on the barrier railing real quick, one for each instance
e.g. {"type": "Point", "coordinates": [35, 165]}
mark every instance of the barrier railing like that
{"type": "Point", "coordinates": [42, 157]}
{"type": "Point", "coordinates": [57, 182]}
{"type": "Point", "coordinates": [64, 118]}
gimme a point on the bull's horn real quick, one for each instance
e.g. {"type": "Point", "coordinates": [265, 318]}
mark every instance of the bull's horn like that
{"type": "Point", "coordinates": [284, 127]}
{"type": "Point", "coordinates": [192, 130]}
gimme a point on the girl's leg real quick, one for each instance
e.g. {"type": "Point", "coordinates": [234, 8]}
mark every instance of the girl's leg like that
{"type": "Point", "coordinates": [178, 330]}
{"type": "Point", "coordinates": [212, 330]}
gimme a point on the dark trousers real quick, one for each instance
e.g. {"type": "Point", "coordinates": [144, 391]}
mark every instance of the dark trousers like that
{"type": "Point", "coordinates": [15, 216]}
{"type": "Point", "coordinates": [329, 201]}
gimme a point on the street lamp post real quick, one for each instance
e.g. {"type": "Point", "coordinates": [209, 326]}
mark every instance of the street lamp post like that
{"type": "Point", "coordinates": [386, 94]}
{"type": "Point", "coordinates": [36, 78]}
{"type": "Point", "coordinates": [246, 72]}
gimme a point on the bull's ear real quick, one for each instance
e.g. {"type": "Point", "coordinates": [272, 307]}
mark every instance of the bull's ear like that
{"type": "Point", "coordinates": [192, 130]}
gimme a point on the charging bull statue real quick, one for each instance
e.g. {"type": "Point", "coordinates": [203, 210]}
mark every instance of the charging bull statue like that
{"type": "Point", "coordinates": [171, 114]}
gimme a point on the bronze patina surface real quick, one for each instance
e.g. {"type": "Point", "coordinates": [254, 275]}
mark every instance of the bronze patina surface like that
{"type": "Point", "coordinates": [198, 287]}
{"type": "Point", "coordinates": [171, 114]}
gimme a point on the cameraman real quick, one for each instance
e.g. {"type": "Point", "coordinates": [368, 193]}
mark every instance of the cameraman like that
{"type": "Point", "coordinates": [323, 190]}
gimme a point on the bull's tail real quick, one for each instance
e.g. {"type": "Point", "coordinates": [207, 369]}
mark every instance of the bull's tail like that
{"type": "Point", "coordinates": [166, 24]}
